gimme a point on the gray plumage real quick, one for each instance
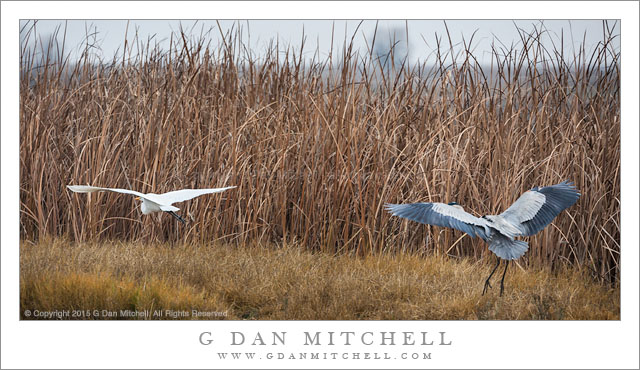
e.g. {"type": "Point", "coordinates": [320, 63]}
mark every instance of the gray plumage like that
{"type": "Point", "coordinates": [532, 212]}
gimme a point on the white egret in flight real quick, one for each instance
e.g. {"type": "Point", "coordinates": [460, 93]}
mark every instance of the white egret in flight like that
{"type": "Point", "coordinates": [532, 212]}
{"type": "Point", "coordinates": [155, 202]}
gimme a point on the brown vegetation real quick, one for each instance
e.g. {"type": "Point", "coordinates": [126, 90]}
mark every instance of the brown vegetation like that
{"type": "Point", "coordinates": [278, 282]}
{"type": "Point", "coordinates": [316, 148]}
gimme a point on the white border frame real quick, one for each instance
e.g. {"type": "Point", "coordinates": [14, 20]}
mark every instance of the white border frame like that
{"type": "Point", "coordinates": [494, 344]}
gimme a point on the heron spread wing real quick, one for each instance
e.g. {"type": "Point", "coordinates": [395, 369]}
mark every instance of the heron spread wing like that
{"type": "Point", "coordinates": [91, 189]}
{"type": "Point", "coordinates": [186, 194]}
{"type": "Point", "coordinates": [440, 214]}
{"type": "Point", "coordinates": [536, 208]}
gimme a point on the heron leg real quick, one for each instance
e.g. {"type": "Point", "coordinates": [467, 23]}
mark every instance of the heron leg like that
{"type": "Point", "coordinates": [503, 275]}
{"type": "Point", "coordinates": [178, 217]}
{"type": "Point", "coordinates": [486, 283]}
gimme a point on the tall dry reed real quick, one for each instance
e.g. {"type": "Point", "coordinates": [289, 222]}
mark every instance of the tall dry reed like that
{"type": "Point", "coordinates": [316, 147]}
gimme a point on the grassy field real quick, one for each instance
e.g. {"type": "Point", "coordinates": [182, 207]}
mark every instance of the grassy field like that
{"type": "Point", "coordinates": [278, 282]}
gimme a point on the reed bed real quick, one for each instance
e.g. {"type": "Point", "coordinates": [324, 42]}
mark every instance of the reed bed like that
{"type": "Point", "coordinates": [317, 146]}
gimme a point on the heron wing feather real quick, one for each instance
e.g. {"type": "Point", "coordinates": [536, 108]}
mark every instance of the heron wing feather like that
{"type": "Point", "coordinates": [536, 208]}
{"type": "Point", "coordinates": [525, 208]}
{"type": "Point", "coordinates": [440, 214]}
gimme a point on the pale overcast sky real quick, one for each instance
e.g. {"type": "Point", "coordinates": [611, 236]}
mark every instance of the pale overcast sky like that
{"type": "Point", "coordinates": [422, 40]}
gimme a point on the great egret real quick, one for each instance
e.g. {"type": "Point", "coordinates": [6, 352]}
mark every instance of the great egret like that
{"type": "Point", "coordinates": [532, 212]}
{"type": "Point", "coordinates": [154, 202]}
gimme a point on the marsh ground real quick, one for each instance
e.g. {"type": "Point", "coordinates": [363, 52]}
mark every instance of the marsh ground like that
{"type": "Point", "coordinates": [290, 282]}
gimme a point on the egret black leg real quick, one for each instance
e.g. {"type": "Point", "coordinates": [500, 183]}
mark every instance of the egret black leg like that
{"type": "Point", "coordinates": [486, 283]}
{"type": "Point", "coordinates": [503, 275]}
{"type": "Point", "coordinates": [178, 217]}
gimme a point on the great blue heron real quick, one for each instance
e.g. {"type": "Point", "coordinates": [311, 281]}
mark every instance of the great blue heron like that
{"type": "Point", "coordinates": [534, 210]}
{"type": "Point", "coordinates": [155, 202]}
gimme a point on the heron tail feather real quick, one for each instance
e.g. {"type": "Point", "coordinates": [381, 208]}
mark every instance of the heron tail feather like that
{"type": "Point", "coordinates": [506, 248]}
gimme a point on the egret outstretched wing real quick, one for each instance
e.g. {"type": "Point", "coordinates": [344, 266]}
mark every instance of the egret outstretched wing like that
{"type": "Point", "coordinates": [186, 194]}
{"type": "Point", "coordinates": [91, 189]}
{"type": "Point", "coordinates": [154, 202]}
{"type": "Point", "coordinates": [536, 208]}
{"type": "Point", "coordinates": [440, 214]}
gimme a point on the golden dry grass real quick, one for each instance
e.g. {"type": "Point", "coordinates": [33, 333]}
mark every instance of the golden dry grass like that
{"type": "Point", "coordinates": [277, 282]}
